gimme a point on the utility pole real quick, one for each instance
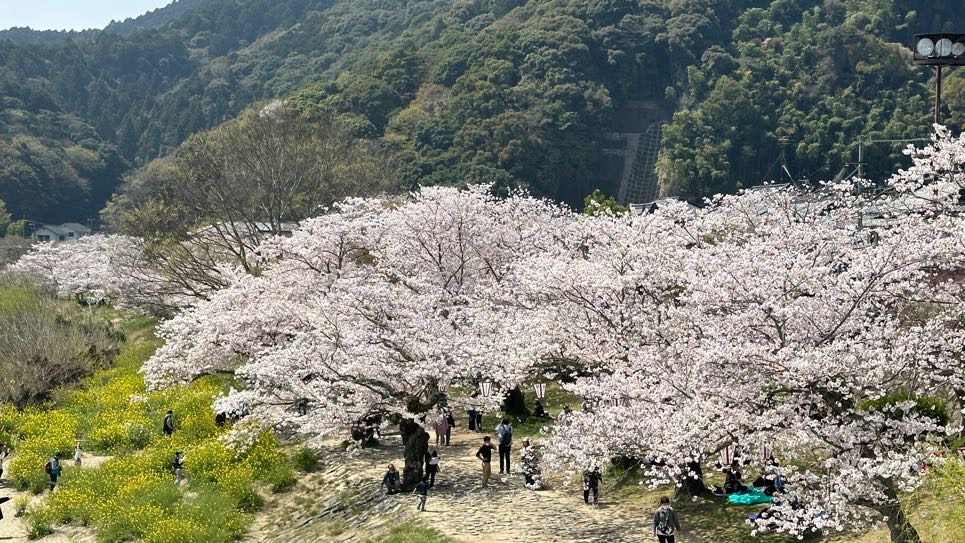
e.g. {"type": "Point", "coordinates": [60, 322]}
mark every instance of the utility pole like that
{"type": "Point", "coordinates": [938, 94]}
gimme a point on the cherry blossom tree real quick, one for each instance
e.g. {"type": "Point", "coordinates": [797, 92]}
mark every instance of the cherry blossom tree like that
{"type": "Point", "coordinates": [363, 313]}
{"type": "Point", "coordinates": [101, 268]}
{"type": "Point", "coordinates": [775, 319]}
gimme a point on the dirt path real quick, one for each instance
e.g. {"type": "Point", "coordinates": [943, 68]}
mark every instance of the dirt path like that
{"type": "Point", "coordinates": [344, 503]}
{"type": "Point", "coordinates": [12, 528]}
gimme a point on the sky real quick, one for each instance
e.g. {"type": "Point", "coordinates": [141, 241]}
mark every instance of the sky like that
{"type": "Point", "coordinates": [71, 14]}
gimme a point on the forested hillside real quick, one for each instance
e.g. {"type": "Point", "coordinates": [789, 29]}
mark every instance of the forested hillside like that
{"type": "Point", "coordinates": [502, 91]}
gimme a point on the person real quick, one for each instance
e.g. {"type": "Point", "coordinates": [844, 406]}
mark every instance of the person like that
{"type": "Point", "coordinates": [220, 419]}
{"type": "Point", "coordinates": [479, 425]}
{"type": "Point", "coordinates": [391, 480]}
{"type": "Point", "coordinates": [665, 523]}
{"type": "Point", "coordinates": [504, 436]}
{"type": "Point", "coordinates": [733, 484]}
{"type": "Point", "coordinates": [539, 412]}
{"type": "Point", "coordinates": [770, 479]}
{"type": "Point", "coordinates": [3, 454]}
{"type": "Point", "coordinates": [450, 424]}
{"type": "Point", "coordinates": [591, 482]}
{"type": "Point", "coordinates": [442, 427]}
{"type": "Point", "coordinates": [565, 414]}
{"type": "Point", "coordinates": [169, 423]}
{"type": "Point", "coordinates": [178, 466]}
{"type": "Point", "coordinates": [485, 455]}
{"type": "Point", "coordinates": [530, 466]}
{"type": "Point", "coordinates": [4, 499]}
{"type": "Point", "coordinates": [432, 467]}
{"type": "Point", "coordinates": [77, 456]}
{"type": "Point", "coordinates": [472, 420]}
{"type": "Point", "coordinates": [422, 489]}
{"type": "Point", "coordinates": [53, 469]}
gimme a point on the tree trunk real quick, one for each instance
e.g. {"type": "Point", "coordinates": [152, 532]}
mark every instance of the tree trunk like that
{"type": "Point", "coordinates": [515, 404]}
{"type": "Point", "coordinates": [693, 485]}
{"type": "Point", "coordinates": [415, 442]}
{"type": "Point", "coordinates": [901, 530]}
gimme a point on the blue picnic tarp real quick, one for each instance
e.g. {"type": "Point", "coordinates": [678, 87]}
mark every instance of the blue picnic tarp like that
{"type": "Point", "coordinates": [750, 497]}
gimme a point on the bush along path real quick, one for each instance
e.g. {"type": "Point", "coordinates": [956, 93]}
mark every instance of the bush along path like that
{"type": "Point", "coordinates": [132, 494]}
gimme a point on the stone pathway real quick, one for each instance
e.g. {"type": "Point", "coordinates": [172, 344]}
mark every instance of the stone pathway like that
{"type": "Point", "coordinates": [344, 503]}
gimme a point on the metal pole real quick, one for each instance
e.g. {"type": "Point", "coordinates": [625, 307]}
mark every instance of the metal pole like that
{"type": "Point", "coordinates": [938, 95]}
{"type": "Point", "coordinates": [860, 157]}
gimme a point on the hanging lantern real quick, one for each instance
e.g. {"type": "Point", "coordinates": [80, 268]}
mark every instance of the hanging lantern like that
{"type": "Point", "coordinates": [727, 455]}
{"type": "Point", "coordinates": [540, 389]}
{"type": "Point", "coordinates": [486, 388]}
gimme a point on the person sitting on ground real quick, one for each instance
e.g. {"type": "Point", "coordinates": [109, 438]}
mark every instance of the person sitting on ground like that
{"type": "Point", "coordinates": [539, 412]}
{"type": "Point", "coordinates": [770, 477]}
{"type": "Point", "coordinates": [392, 481]}
{"type": "Point", "coordinates": [733, 483]}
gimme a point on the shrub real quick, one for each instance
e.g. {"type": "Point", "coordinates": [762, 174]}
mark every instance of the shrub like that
{"type": "Point", "coordinates": [306, 460]}
{"type": "Point", "coordinates": [45, 343]}
{"type": "Point", "coordinates": [38, 523]}
{"type": "Point", "coordinates": [281, 477]}
{"type": "Point", "coordinates": [20, 505]}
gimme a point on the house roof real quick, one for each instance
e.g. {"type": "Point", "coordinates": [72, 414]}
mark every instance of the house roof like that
{"type": "Point", "coordinates": [76, 227]}
{"type": "Point", "coordinates": [53, 230]}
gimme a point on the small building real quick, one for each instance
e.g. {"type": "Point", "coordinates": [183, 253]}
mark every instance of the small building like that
{"type": "Point", "coordinates": [65, 233]}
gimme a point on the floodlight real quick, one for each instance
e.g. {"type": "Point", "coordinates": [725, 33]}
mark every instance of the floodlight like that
{"type": "Point", "coordinates": [944, 47]}
{"type": "Point", "coordinates": [925, 47]}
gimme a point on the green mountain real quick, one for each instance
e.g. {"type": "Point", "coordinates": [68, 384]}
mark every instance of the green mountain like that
{"type": "Point", "coordinates": [562, 96]}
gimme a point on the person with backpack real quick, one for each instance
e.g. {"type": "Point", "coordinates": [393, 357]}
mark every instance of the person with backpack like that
{"type": "Point", "coordinates": [178, 466]}
{"type": "Point", "coordinates": [53, 469]}
{"type": "Point", "coordinates": [504, 436]}
{"type": "Point", "coordinates": [432, 467]}
{"type": "Point", "coordinates": [168, 425]}
{"type": "Point", "coordinates": [422, 489]}
{"type": "Point", "coordinates": [665, 522]}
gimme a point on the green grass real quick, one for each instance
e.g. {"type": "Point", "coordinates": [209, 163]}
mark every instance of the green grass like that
{"type": "Point", "coordinates": [411, 532]}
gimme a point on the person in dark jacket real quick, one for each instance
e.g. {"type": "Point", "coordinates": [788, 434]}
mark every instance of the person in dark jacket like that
{"type": "Point", "coordinates": [432, 467]}
{"type": "Point", "coordinates": [485, 456]}
{"type": "Point", "coordinates": [422, 489]}
{"type": "Point", "coordinates": [391, 480]}
{"type": "Point", "coordinates": [733, 484]}
{"type": "Point", "coordinates": [539, 411]}
{"type": "Point", "coordinates": [168, 425]}
{"type": "Point", "coordinates": [591, 483]}
{"type": "Point", "coordinates": [665, 522]}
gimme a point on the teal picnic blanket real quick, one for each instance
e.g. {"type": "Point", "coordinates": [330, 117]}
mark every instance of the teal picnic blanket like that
{"type": "Point", "coordinates": [749, 498]}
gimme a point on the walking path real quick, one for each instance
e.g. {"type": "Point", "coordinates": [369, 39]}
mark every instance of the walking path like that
{"type": "Point", "coordinates": [352, 504]}
{"type": "Point", "coordinates": [12, 528]}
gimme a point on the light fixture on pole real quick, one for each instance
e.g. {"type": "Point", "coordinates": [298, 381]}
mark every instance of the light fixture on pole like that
{"type": "Point", "coordinates": [540, 389]}
{"type": "Point", "coordinates": [486, 388]}
{"type": "Point", "coordinates": [939, 50]}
